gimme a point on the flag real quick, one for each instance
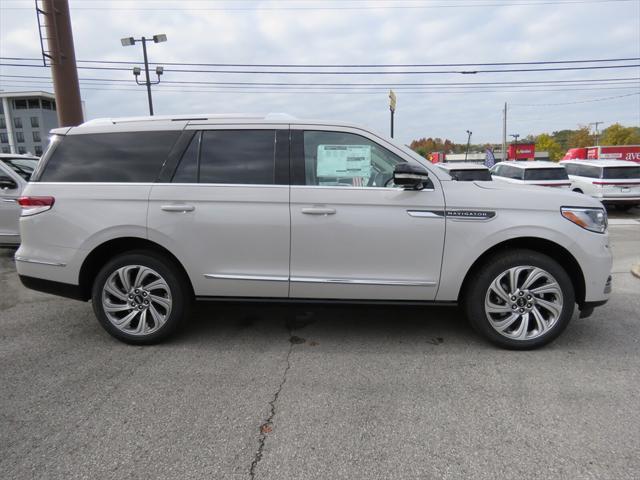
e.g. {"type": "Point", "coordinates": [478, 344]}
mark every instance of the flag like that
{"type": "Point", "coordinates": [489, 159]}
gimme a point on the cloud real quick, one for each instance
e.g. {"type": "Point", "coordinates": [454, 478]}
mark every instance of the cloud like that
{"type": "Point", "coordinates": [198, 33]}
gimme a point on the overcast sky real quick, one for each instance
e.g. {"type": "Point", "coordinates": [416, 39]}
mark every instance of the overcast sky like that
{"type": "Point", "coordinates": [355, 32]}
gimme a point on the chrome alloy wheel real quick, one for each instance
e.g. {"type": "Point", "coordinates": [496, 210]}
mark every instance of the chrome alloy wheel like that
{"type": "Point", "coordinates": [136, 300]}
{"type": "Point", "coordinates": [523, 303]}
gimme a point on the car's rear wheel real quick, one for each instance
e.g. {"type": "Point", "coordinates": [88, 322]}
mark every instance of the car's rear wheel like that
{"type": "Point", "coordinates": [520, 299]}
{"type": "Point", "coordinates": [140, 297]}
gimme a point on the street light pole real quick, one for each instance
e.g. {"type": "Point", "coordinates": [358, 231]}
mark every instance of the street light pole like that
{"type": "Point", "coordinates": [128, 41]}
{"type": "Point", "coordinates": [469, 132]}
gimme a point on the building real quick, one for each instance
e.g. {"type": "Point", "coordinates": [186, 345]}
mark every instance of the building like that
{"type": "Point", "coordinates": [25, 121]}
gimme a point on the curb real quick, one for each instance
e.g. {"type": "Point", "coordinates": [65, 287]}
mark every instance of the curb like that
{"type": "Point", "coordinates": [635, 270]}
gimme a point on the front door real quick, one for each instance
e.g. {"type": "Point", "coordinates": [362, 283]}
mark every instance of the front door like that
{"type": "Point", "coordinates": [9, 209]}
{"type": "Point", "coordinates": [354, 235]}
{"type": "Point", "coordinates": [225, 212]}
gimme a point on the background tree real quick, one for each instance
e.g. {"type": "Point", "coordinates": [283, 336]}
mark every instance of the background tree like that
{"type": "Point", "coordinates": [546, 143]}
{"type": "Point", "coordinates": [616, 134]}
{"type": "Point", "coordinates": [581, 138]}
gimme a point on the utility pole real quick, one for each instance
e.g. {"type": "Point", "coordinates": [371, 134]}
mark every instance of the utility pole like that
{"type": "Point", "coordinates": [63, 62]}
{"type": "Point", "coordinates": [596, 128]}
{"type": "Point", "coordinates": [469, 132]}
{"type": "Point", "coordinates": [128, 41]}
{"type": "Point", "coordinates": [392, 108]}
{"type": "Point", "coordinates": [515, 150]}
{"type": "Point", "coordinates": [504, 132]}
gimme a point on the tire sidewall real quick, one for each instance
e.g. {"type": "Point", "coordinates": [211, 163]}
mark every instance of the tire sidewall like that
{"type": "Point", "coordinates": [474, 303]}
{"type": "Point", "coordinates": [179, 295]}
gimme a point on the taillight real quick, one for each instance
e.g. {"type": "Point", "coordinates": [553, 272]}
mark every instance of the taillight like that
{"type": "Point", "coordinates": [35, 205]}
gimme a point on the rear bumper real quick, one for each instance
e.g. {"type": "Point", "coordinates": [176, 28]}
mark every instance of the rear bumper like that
{"type": "Point", "coordinates": [54, 288]}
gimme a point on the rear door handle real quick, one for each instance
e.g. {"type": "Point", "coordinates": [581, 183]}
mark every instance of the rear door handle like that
{"type": "Point", "coordinates": [176, 207]}
{"type": "Point", "coordinates": [318, 211]}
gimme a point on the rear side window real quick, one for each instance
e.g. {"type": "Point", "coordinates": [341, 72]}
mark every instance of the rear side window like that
{"type": "Point", "coordinates": [109, 157]}
{"type": "Point", "coordinates": [238, 157]}
{"type": "Point", "coordinates": [588, 171]}
{"type": "Point", "coordinates": [511, 172]}
{"type": "Point", "coordinates": [546, 174]}
{"type": "Point", "coordinates": [621, 172]}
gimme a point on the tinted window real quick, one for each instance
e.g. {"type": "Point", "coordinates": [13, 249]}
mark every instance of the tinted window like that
{"type": "Point", "coordinates": [345, 159]}
{"type": "Point", "coordinates": [588, 171]}
{"type": "Point", "coordinates": [109, 157]}
{"type": "Point", "coordinates": [510, 172]}
{"type": "Point", "coordinates": [621, 172]}
{"type": "Point", "coordinates": [470, 175]}
{"type": "Point", "coordinates": [546, 174]}
{"type": "Point", "coordinates": [187, 171]}
{"type": "Point", "coordinates": [238, 157]}
{"type": "Point", "coordinates": [22, 166]}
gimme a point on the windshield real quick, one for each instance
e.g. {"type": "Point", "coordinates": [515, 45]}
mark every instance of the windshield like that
{"type": "Point", "coordinates": [546, 174]}
{"type": "Point", "coordinates": [621, 172]}
{"type": "Point", "coordinates": [22, 166]}
{"type": "Point", "coordinates": [470, 175]}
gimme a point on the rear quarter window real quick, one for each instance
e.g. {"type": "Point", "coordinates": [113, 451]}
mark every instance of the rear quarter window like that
{"type": "Point", "coordinates": [546, 174]}
{"type": "Point", "coordinates": [128, 157]}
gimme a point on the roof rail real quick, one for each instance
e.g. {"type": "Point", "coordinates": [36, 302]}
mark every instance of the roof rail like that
{"type": "Point", "coordinates": [193, 117]}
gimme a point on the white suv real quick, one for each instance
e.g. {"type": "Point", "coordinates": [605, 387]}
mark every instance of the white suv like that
{"type": "Point", "coordinates": [613, 182]}
{"type": "Point", "coordinates": [540, 173]}
{"type": "Point", "coordinates": [15, 172]}
{"type": "Point", "coordinates": [144, 215]}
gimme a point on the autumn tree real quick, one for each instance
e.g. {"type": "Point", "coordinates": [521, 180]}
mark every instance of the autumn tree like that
{"type": "Point", "coordinates": [616, 134]}
{"type": "Point", "coordinates": [580, 138]}
{"type": "Point", "coordinates": [545, 142]}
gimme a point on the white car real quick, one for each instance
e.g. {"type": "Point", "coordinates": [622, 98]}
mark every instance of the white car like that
{"type": "Point", "coordinates": [143, 215]}
{"type": "Point", "coordinates": [613, 182]}
{"type": "Point", "coordinates": [15, 172]}
{"type": "Point", "coordinates": [541, 173]}
{"type": "Point", "coordinates": [466, 171]}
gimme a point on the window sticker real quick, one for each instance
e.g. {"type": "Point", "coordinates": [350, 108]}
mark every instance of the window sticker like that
{"type": "Point", "coordinates": [342, 161]}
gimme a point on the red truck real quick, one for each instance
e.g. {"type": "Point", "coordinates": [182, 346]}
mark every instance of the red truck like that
{"type": "Point", "coordinates": [616, 152]}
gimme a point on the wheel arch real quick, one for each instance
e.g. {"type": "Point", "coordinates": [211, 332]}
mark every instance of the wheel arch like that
{"type": "Point", "coordinates": [104, 252]}
{"type": "Point", "coordinates": [540, 245]}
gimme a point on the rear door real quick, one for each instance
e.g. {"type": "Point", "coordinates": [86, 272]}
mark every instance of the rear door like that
{"type": "Point", "coordinates": [225, 211]}
{"type": "Point", "coordinates": [353, 235]}
{"type": "Point", "coordinates": [9, 209]}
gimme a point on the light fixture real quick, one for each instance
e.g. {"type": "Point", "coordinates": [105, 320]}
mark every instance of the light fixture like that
{"type": "Point", "coordinates": [136, 71]}
{"type": "Point", "coordinates": [160, 38]}
{"type": "Point", "coordinates": [159, 70]}
{"type": "Point", "coordinates": [127, 41]}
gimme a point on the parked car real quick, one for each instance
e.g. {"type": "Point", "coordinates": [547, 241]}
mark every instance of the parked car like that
{"type": "Point", "coordinates": [465, 171]}
{"type": "Point", "coordinates": [545, 174]}
{"type": "Point", "coordinates": [15, 171]}
{"type": "Point", "coordinates": [613, 182]}
{"type": "Point", "coordinates": [143, 215]}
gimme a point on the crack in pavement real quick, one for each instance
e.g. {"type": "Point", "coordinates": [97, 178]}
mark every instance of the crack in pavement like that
{"type": "Point", "coordinates": [266, 427]}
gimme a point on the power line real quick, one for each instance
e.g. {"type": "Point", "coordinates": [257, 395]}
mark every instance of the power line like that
{"type": "Point", "coordinates": [367, 72]}
{"type": "Point", "coordinates": [571, 103]}
{"type": "Point", "coordinates": [338, 65]}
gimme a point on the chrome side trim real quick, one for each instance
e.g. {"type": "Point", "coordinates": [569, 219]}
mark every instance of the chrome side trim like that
{"type": "Point", "coordinates": [9, 234]}
{"type": "Point", "coordinates": [264, 278]}
{"type": "Point", "coordinates": [426, 213]}
{"type": "Point", "coordinates": [353, 281]}
{"type": "Point", "coordinates": [39, 262]}
{"type": "Point", "coordinates": [346, 187]}
{"type": "Point", "coordinates": [8, 200]}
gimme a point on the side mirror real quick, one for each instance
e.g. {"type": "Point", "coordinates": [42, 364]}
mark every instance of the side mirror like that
{"type": "Point", "coordinates": [410, 177]}
{"type": "Point", "coordinates": [7, 183]}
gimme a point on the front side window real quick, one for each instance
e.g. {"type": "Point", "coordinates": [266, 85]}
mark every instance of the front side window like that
{"type": "Point", "coordinates": [238, 157]}
{"type": "Point", "coordinates": [346, 159]}
{"type": "Point", "coordinates": [109, 157]}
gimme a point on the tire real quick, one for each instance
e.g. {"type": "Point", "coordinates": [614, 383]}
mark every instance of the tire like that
{"type": "Point", "coordinates": [120, 307]}
{"type": "Point", "coordinates": [542, 310]}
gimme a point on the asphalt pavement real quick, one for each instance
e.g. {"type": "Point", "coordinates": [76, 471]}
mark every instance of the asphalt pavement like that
{"type": "Point", "coordinates": [319, 392]}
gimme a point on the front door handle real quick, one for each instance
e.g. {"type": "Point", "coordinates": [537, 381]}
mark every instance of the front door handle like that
{"type": "Point", "coordinates": [319, 211]}
{"type": "Point", "coordinates": [178, 208]}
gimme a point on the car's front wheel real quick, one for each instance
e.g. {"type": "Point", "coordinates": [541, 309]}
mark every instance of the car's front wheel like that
{"type": "Point", "coordinates": [520, 300]}
{"type": "Point", "coordinates": [140, 297]}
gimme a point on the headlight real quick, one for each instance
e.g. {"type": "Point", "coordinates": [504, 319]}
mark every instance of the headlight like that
{"type": "Point", "coordinates": [592, 219]}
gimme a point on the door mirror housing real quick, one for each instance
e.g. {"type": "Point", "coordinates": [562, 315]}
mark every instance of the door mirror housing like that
{"type": "Point", "coordinates": [410, 177]}
{"type": "Point", "coordinates": [7, 183]}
